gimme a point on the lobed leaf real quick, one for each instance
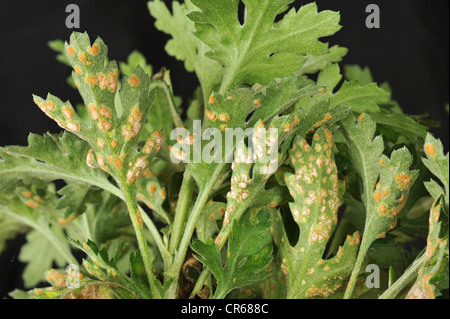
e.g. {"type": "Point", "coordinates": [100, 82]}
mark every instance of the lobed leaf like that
{"type": "Point", "coordinates": [184, 45]}
{"type": "Point", "coordinates": [249, 253]}
{"type": "Point", "coordinates": [433, 264]}
{"type": "Point", "coordinates": [314, 187]}
{"type": "Point", "coordinates": [261, 49]}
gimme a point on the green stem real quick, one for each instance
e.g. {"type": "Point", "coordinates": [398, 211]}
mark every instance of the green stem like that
{"type": "Point", "coordinates": [136, 220]}
{"type": "Point", "coordinates": [150, 225]}
{"type": "Point", "coordinates": [200, 282]}
{"type": "Point", "coordinates": [408, 276]}
{"type": "Point", "coordinates": [182, 211]}
{"type": "Point", "coordinates": [175, 268]}
{"type": "Point", "coordinates": [365, 244]}
{"type": "Point", "coordinates": [167, 257]}
{"type": "Point", "coordinates": [86, 226]}
{"type": "Point", "coordinates": [189, 230]}
{"type": "Point", "coordinates": [167, 87]}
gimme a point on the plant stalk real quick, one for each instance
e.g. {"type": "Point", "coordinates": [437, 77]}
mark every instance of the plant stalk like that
{"type": "Point", "coordinates": [365, 244]}
{"type": "Point", "coordinates": [136, 220]}
{"type": "Point", "coordinates": [167, 257]}
{"type": "Point", "coordinates": [408, 276]}
{"type": "Point", "coordinates": [175, 268]}
{"type": "Point", "coordinates": [182, 211]}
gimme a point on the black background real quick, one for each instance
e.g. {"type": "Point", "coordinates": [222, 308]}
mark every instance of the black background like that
{"type": "Point", "coordinates": [410, 51]}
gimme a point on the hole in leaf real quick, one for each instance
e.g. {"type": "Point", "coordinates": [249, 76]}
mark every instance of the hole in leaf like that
{"type": "Point", "coordinates": [249, 116]}
{"type": "Point", "coordinates": [291, 228]}
{"type": "Point", "coordinates": [339, 236]}
{"type": "Point", "coordinates": [282, 12]}
{"type": "Point", "coordinates": [241, 12]}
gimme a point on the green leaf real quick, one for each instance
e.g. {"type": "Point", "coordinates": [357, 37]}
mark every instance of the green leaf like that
{"type": "Point", "coordinates": [58, 46]}
{"type": "Point", "coordinates": [354, 72]}
{"type": "Point", "coordinates": [39, 254]}
{"type": "Point", "coordinates": [51, 157]}
{"type": "Point", "coordinates": [159, 116]}
{"type": "Point", "coordinates": [9, 229]}
{"type": "Point", "coordinates": [360, 97]}
{"type": "Point", "coordinates": [386, 182]}
{"type": "Point", "coordinates": [315, 63]}
{"type": "Point", "coordinates": [113, 129]}
{"type": "Point", "coordinates": [314, 187]}
{"type": "Point", "coordinates": [227, 112]}
{"type": "Point", "coordinates": [134, 60]}
{"type": "Point", "coordinates": [391, 256]}
{"type": "Point", "coordinates": [400, 124]}
{"type": "Point", "coordinates": [435, 260]}
{"type": "Point", "coordinates": [104, 217]}
{"type": "Point", "coordinates": [207, 222]}
{"type": "Point", "coordinates": [153, 195]}
{"type": "Point", "coordinates": [261, 49]}
{"type": "Point", "coordinates": [383, 203]}
{"type": "Point", "coordinates": [233, 110]}
{"type": "Point", "coordinates": [183, 45]}
{"type": "Point", "coordinates": [363, 150]}
{"type": "Point", "coordinates": [438, 163]}
{"type": "Point", "coordinates": [249, 254]}
{"type": "Point", "coordinates": [138, 274]}
{"type": "Point", "coordinates": [34, 207]}
{"type": "Point", "coordinates": [75, 198]}
{"type": "Point", "coordinates": [101, 267]}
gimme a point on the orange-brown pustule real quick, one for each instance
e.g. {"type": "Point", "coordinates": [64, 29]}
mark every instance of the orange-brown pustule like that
{"type": "Point", "coordinates": [287, 127]}
{"type": "Point", "coordinates": [212, 99]}
{"type": "Point", "coordinates": [118, 162]}
{"type": "Point", "coordinates": [27, 194]}
{"type": "Point", "coordinates": [134, 80]}
{"type": "Point", "coordinates": [139, 219]}
{"type": "Point", "coordinates": [430, 149]}
{"type": "Point", "coordinates": [70, 50]}
{"type": "Point", "coordinates": [82, 57]}
{"type": "Point", "coordinates": [328, 134]}
{"type": "Point", "coordinates": [68, 112]}
{"type": "Point", "coordinates": [403, 180]}
{"type": "Point", "coordinates": [210, 115]}
{"type": "Point", "coordinates": [94, 49]}
{"type": "Point", "coordinates": [93, 111]}
{"type": "Point", "coordinates": [32, 204]}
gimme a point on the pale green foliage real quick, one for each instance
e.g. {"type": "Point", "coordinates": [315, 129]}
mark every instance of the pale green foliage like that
{"type": "Point", "coordinates": [184, 45]}
{"type": "Point", "coordinates": [39, 254]}
{"type": "Point", "coordinates": [33, 207]}
{"type": "Point", "coordinates": [246, 227]}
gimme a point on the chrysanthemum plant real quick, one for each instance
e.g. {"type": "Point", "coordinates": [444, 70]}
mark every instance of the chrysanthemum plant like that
{"type": "Point", "coordinates": [357, 182]}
